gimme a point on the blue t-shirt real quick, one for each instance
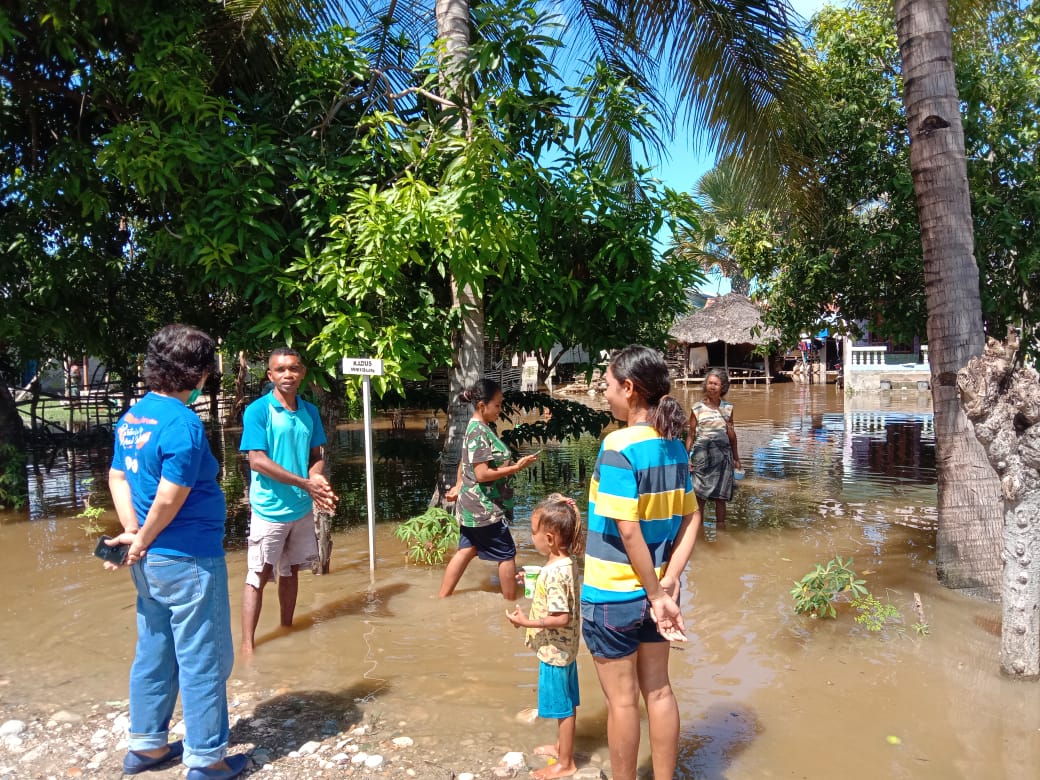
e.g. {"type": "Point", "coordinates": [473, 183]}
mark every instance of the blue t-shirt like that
{"type": "Point", "coordinates": [161, 437]}
{"type": "Point", "coordinates": [287, 437]}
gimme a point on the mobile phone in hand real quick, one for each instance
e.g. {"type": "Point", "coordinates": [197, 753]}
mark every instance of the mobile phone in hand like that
{"type": "Point", "coordinates": [116, 555]}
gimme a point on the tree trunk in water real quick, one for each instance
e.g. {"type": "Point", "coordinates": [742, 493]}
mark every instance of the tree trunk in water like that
{"type": "Point", "coordinates": [468, 364]}
{"type": "Point", "coordinates": [13, 487]}
{"type": "Point", "coordinates": [1004, 404]}
{"type": "Point", "coordinates": [323, 530]}
{"type": "Point", "coordinates": [239, 404]}
{"type": "Point", "coordinates": [968, 538]}
{"type": "Point", "coordinates": [330, 406]}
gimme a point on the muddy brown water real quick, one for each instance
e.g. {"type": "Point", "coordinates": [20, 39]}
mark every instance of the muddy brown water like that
{"type": "Point", "coordinates": [762, 692]}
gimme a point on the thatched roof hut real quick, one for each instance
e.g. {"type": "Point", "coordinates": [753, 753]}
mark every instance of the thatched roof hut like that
{"type": "Point", "coordinates": [731, 319]}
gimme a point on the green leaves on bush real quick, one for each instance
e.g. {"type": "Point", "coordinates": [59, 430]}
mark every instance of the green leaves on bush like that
{"type": "Point", "coordinates": [12, 477]}
{"type": "Point", "coordinates": [873, 614]}
{"type": "Point", "coordinates": [815, 593]}
{"type": "Point", "coordinates": [429, 536]}
{"type": "Point", "coordinates": [566, 418]}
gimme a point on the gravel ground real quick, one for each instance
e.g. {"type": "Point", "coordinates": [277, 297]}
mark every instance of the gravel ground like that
{"type": "Point", "coordinates": [286, 737]}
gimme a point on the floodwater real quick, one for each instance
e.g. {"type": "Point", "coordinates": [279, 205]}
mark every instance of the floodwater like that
{"type": "Point", "coordinates": [763, 693]}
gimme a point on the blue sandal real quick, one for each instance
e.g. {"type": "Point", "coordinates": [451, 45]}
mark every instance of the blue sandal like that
{"type": "Point", "coordinates": [138, 762]}
{"type": "Point", "coordinates": [236, 765]}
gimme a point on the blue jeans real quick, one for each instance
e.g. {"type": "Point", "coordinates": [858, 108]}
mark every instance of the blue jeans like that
{"type": "Point", "coordinates": [183, 644]}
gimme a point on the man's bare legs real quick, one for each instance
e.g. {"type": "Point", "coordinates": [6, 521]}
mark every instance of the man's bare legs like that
{"type": "Point", "coordinates": [288, 591]}
{"type": "Point", "coordinates": [252, 602]}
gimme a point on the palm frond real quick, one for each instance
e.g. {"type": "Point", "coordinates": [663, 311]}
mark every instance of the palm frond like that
{"type": "Point", "coordinates": [251, 36]}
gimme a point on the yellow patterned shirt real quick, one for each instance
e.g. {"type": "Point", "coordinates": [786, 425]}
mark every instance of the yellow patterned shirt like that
{"type": "Point", "coordinates": [555, 591]}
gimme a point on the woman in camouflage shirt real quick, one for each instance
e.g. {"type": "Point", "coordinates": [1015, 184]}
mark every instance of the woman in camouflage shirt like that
{"type": "Point", "coordinates": [483, 493]}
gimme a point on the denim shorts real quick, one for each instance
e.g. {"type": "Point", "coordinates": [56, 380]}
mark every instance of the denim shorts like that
{"type": "Point", "coordinates": [557, 690]}
{"type": "Point", "coordinates": [616, 630]}
{"type": "Point", "coordinates": [493, 542]}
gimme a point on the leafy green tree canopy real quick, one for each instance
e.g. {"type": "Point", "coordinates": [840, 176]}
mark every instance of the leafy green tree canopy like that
{"type": "Point", "coordinates": [147, 178]}
{"type": "Point", "coordinates": [855, 246]}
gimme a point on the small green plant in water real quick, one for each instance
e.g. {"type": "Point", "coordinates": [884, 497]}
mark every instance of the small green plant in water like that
{"type": "Point", "coordinates": [814, 594]}
{"type": "Point", "coordinates": [91, 516]}
{"type": "Point", "coordinates": [874, 614]}
{"type": "Point", "coordinates": [429, 536]}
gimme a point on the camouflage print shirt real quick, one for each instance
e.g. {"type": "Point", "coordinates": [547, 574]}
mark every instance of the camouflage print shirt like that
{"type": "Point", "coordinates": [483, 503]}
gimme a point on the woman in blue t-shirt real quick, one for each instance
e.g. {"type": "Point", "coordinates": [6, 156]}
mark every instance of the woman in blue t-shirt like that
{"type": "Point", "coordinates": [164, 487]}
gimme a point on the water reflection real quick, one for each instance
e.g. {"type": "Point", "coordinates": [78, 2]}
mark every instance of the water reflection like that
{"type": "Point", "coordinates": [807, 456]}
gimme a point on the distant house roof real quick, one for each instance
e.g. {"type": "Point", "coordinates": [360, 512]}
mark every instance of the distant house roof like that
{"type": "Point", "coordinates": [731, 318]}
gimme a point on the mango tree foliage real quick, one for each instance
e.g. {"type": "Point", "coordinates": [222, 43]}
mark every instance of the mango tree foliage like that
{"type": "Point", "coordinates": [599, 282]}
{"type": "Point", "coordinates": [998, 78]}
{"type": "Point", "coordinates": [857, 246]}
{"type": "Point", "coordinates": [560, 253]}
{"type": "Point", "coordinates": [144, 183]}
{"type": "Point", "coordinates": [74, 274]}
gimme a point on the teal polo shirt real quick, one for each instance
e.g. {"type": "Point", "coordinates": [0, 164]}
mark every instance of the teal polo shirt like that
{"type": "Point", "coordinates": [287, 437]}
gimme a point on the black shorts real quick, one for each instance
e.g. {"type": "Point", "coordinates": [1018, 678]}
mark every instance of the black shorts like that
{"type": "Point", "coordinates": [492, 542]}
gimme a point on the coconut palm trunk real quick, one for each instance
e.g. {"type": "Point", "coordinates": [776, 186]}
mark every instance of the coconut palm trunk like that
{"type": "Point", "coordinates": [970, 508]}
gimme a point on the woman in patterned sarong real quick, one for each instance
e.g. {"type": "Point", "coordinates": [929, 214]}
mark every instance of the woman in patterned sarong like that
{"type": "Point", "coordinates": [712, 442]}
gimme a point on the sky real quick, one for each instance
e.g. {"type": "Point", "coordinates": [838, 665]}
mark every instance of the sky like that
{"type": "Point", "coordinates": [686, 164]}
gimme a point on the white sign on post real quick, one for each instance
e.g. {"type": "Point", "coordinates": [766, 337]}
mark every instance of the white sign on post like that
{"type": "Point", "coordinates": [362, 367]}
{"type": "Point", "coordinates": [367, 368]}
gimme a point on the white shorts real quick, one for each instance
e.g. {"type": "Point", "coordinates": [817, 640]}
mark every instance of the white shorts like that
{"type": "Point", "coordinates": [280, 545]}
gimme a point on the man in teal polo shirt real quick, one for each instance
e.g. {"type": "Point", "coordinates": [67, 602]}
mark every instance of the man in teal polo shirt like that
{"type": "Point", "coordinates": [283, 435]}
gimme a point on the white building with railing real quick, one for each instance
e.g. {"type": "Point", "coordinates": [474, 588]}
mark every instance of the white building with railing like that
{"type": "Point", "coordinates": [871, 369]}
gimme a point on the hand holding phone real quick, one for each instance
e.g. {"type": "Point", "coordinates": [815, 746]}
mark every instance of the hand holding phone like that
{"type": "Point", "coordinates": [111, 554]}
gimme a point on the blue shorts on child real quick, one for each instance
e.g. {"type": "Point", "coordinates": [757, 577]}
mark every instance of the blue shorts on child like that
{"type": "Point", "coordinates": [557, 690]}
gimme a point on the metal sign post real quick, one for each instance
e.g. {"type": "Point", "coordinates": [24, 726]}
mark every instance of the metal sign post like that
{"type": "Point", "coordinates": [367, 368]}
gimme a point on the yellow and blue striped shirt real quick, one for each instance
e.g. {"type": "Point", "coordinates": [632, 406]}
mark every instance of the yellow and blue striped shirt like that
{"type": "Point", "coordinates": [639, 477]}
